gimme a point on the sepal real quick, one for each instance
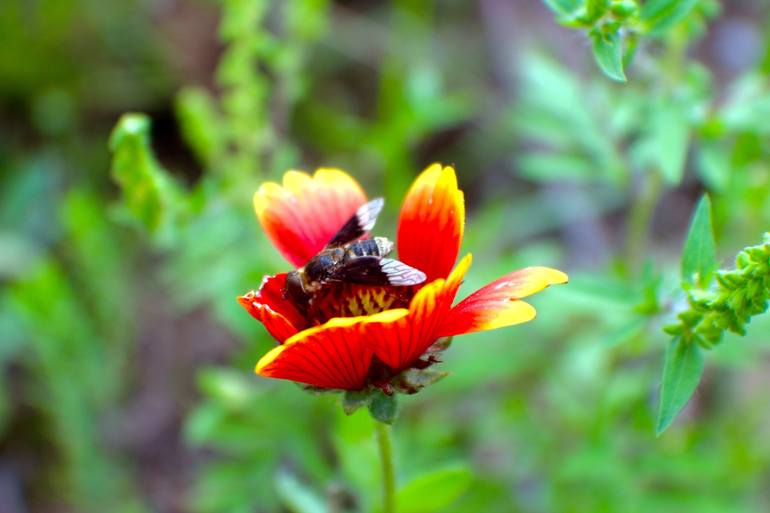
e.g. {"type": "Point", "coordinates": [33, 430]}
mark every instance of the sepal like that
{"type": "Point", "coordinates": [383, 408]}
{"type": "Point", "coordinates": [414, 380]}
{"type": "Point", "coordinates": [352, 400]}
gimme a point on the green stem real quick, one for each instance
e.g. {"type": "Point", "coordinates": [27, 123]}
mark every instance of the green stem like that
{"type": "Point", "coordinates": [388, 472]}
{"type": "Point", "coordinates": [639, 220]}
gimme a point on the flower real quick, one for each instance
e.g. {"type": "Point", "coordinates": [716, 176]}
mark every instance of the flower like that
{"type": "Point", "coordinates": [361, 336]}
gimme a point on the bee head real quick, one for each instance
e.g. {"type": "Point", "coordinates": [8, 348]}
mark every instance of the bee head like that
{"type": "Point", "coordinates": [295, 288]}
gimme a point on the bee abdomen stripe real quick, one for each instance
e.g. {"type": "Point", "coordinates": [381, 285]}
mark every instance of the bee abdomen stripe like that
{"type": "Point", "coordinates": [370, 248]}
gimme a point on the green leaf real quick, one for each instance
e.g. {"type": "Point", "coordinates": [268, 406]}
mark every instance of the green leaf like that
{"type": "Point", "coordinates": [669, 138]}
{"type": "Point", "coordinates": [149, 192]}
{"type": "Point", "coordinates": [229, 388]}
{"type": "Point", "coordinates": [608, 53]}
{"type": "Point", "coordinates": [681, 374]}
{"type": "Point", "coordinates": [699, 259]}
{"type": "Point", "coordinates": [550, 167]}
{"type": "Point", "coordinates": [595, 9]}
{"type": "Point", "coordinates": [201, 124]}
{"type": "Point", "coordinates": [296, 497]}
{"type": "Point", "coordinates": [383, 407]}
{"type": "Point", "coordinates": [19, 255]}
{"type": "Point", "coordinates": [659, 15]}
{"type": "Point", "coordinates": [623, 9]}
{"type": "Point", "coordinates": [563, 7]}
{"type": "Point", "coordinates": [713, 165]}
{"type": "Point", "coordinates": [434, 491]}
{"type": "Point", "coordinates": [626, 332]}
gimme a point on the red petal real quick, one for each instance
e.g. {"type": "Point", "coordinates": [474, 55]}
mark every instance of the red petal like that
{"type": "Point", "coordinates": [430, 227]}
{"type": "Point", "coordinates": [304, 213]}
{"type": "Point", "coordinates": [269, 307]}
{"type": "Point", "coordinates": [497, 305]}
{"type": "Point", "coordinates": [399, 344]}
{"type": "Point", "coordinates": [334, 355]}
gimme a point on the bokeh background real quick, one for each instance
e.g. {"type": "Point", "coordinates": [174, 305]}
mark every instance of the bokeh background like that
{"type": "Point", "coordinates": [126, 379]}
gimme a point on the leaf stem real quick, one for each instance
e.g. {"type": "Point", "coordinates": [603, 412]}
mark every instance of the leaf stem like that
{"type": "Point", "coordinates": [385, 444]}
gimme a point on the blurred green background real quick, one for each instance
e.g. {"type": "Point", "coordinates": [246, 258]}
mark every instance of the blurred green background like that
{"type": "Point", "coordinates": [126, 378]}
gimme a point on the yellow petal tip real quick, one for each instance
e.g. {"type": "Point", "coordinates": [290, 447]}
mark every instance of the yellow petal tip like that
{"type": "Point", "coordinates": [267, 359]}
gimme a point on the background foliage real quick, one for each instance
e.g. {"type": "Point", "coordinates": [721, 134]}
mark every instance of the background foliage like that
{"type": "Point", "coordinates": [584, 134]}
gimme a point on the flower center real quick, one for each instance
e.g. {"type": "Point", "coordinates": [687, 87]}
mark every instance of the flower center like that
{"type": "Point", "coordinates": [350, 300]}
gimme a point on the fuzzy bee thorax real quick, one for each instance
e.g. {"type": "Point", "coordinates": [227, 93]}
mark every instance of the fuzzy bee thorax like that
{"type": "Point", "coordinates": [349, 259]}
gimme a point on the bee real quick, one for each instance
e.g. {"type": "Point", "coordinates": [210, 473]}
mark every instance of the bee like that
{"type": "Point", "coordinates": [347, 258]}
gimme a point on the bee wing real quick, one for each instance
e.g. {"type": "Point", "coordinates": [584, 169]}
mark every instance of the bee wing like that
{"type": "Point", "coordinates": [399, 273]}
{"type": "Point", "coordinates": [360, 224]}
{"type": "Point", "coordinates": [370, 270]}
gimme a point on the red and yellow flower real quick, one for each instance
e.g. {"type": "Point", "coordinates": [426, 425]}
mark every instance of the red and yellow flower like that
{"type": "Point", "coordinates": [362, 336]}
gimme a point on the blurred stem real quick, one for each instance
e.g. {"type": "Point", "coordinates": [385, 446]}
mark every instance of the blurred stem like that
{"type": "Point", "coordinates": [640, 217]}
{"type": "Point", "coordinates": [639, 220]}
{"type": "Point", "coordinates": [388, 471]}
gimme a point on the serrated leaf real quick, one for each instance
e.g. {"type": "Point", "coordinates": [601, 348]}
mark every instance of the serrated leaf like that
{"type": "Point", "coordinates": [699, 260]}
{"type": "Point", "coordinates": [659, 15]}
{"type": "Point", "coordinates": [608, 53]}
{"type": "Point", "coordinates": [682, 371]}
{"type": "Point", "coordinates": [383, 407]}
{"type": "Point", "coordinates": [149, 193]}
{"type": "Point", "coordinates": [434, 491]}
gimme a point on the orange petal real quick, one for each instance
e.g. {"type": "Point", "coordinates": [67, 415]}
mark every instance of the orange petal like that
{"type": "Point", "coordinates": [334, 355]}
{"type": "Point", "coordinates": [269, 307]}
{"type": "Point", "coordinates": [431, 224]}
{"type": "Point", "coordinates": [497, 305]}
{"type": "Point", "coordinates": [304, 213]}
{"type": "Point", "coordinates": [401, 343]}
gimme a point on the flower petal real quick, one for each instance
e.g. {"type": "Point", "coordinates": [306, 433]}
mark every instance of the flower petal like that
{"type": "Point", "coordinates": [304, 213]}
{"type": "Point", "coordinates": [399, 344]}
{"type": "Point", "coordinates": [269, 307]}
{"type": "Point", "coordinates": [431, 224]}
{"type": "Point", "coordinates": [334, 355]}
{"type": "Point", "coordinates": [497, 305]}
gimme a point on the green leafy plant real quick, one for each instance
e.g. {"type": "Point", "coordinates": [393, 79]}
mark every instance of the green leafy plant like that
{"type": "Point", "coordinates": [126, 367]}
{"type": "Point", "coordinates": [717, 302]}
{"type": "Point", "coordinates": [616, 26]}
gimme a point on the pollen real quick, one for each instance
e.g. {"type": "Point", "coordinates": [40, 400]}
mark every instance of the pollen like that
{"type": "Point", "coordinates": [350, 300]}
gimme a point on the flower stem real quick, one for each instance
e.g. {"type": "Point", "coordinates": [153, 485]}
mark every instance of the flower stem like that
{"type": "Point", "coordinates": [388, 471]}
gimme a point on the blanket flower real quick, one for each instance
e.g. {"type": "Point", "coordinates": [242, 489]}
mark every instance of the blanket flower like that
{"type": "Point", "coordinates": [361, 336]}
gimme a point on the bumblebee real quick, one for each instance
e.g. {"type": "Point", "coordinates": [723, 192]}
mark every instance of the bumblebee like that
{"type": "Point", "coordinates": [348, 259]}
